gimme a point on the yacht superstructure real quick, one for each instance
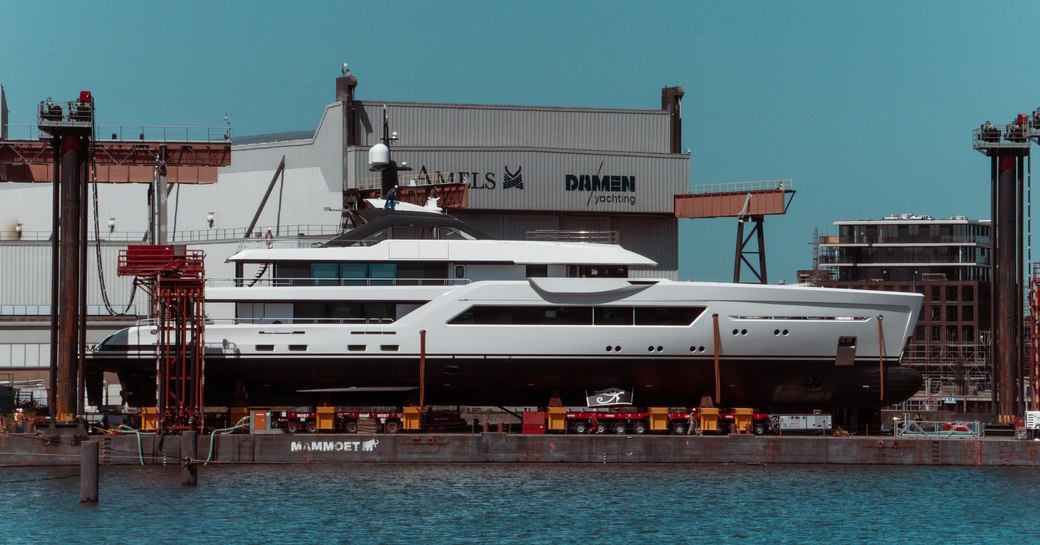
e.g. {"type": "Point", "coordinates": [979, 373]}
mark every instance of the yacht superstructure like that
{"type": "Point", "coordinates": [520, 323]}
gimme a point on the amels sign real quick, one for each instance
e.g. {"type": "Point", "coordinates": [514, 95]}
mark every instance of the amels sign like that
{"type": "Point", "coordinates": [510, 178]}
{"type": "Point", "coordinates": [596, 190]}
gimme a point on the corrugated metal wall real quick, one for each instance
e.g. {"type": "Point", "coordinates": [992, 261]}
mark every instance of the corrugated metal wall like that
{"type": "Point", "coordinates": [543, 177]}
{"type": "Point", "coordinates": [484, 126]}
{"type": "Point", "coordinates": [322, 152]}
{"type": "Point", "coordinates": [26, 278]}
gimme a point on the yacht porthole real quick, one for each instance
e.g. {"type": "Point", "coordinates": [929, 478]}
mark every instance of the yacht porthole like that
{"type": "Point", "coordinates": [786, 332]}
{"type": "Point", "coordinates": [649, 349]}
{"type": "Point", "coordinates": [609, 348]}
{"type": "Point", "coordinates": [701, 349]}
{"type": "Point", "coordinates": [617, 349]}
{"type": "Point", "coordinates": [660, 348]}
{"type": "Point", "coordinates": [776, 332]}
{"type": "Point", "coordinates": [743, 332]}
{"type": "Point", "coordinates": [736, 331]}
{"type": "Point", "coordinates": [693, 349]}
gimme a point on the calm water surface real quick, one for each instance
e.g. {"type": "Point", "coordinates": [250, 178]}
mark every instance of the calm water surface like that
{"type": "Point", "coordinates": [530, 504]}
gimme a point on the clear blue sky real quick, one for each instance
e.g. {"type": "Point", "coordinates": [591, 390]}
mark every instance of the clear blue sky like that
{"type": "Point", "coordinates": [867, 106]}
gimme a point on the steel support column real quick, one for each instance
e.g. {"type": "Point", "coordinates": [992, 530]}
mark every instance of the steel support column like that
{"type": "Point", "coordinates": [55, 280]}
{"type": "Point", "coordinates": [741, 253]}
{"type": "Point", "coordinates": [68, 296]}
{"type": "Point", "coordinates": [1006, 288]}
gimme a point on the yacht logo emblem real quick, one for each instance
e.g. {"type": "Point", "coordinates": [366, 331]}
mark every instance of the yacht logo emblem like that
{"type": "Point", "coordinates": [513, 179]}
{"type": "Point", "coordinates": [609, 397]}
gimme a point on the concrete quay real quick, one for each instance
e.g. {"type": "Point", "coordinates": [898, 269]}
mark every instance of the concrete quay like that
{"type": "Point", "coordinates": [36, 450]}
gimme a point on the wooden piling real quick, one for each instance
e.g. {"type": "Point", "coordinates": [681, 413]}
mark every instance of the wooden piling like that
{"type": "Point", "coordinates": [88, 471]}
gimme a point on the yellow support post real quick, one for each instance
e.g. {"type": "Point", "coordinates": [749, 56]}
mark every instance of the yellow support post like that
{"type": "Point", "coordinates": [411, 418]}
{"type": "Point", "coordinates": [326, 418]}
{"type": "Point", "coordinates": [709, 419]}
{"type": "Point", "coordinates": [149, 418]}
{"type": "Point", "coordinates": [742, 419]}
{"type": "Point", "coordinates": [557, 419]}
{"type": "Point", "coordinates": [658, 418]}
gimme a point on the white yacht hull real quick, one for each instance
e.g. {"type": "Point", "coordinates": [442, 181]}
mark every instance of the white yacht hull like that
{"type": "Point", "coordinates": [777, 346]}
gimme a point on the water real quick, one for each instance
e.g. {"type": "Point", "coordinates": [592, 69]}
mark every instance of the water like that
{"type": "Point", "coordinates": [529, 504]}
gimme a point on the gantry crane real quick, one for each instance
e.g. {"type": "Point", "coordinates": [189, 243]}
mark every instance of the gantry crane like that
{"type": "Point", "coordinates": [69, 153]}
{"type": "Point", "coordinates": [746, 201]}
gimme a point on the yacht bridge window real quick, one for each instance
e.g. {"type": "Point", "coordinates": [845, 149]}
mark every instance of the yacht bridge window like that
{"type": "Point", "coordinates": [361, 274]}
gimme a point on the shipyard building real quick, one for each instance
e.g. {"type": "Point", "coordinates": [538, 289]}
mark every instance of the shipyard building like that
{"type": "Point", "coordinates": [607, 175]}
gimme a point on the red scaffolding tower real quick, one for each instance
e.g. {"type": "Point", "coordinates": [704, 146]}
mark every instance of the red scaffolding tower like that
{"type": "Point", "coordinates": [1034, 337]}
{"type": "Point", "coordinates": [173, 276]}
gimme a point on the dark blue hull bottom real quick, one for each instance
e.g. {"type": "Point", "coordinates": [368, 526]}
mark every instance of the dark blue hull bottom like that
{"type": "Point", "coordinates": [774, 384]}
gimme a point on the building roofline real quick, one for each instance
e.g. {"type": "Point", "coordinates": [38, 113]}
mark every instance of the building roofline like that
{"type": "Point", "coordinates": [388, 104]}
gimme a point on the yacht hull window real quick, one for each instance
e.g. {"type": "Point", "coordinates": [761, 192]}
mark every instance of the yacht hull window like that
{"type": "Point", "coordinates": [574, 315]}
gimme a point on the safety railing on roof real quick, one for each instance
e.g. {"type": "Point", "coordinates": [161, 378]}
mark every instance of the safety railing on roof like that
{"type": "Point", "coordinates": [743, 187]}
{"type": "Point", "coordinates": [162, 133]}
{"type": "Point", "coordinates": [135, 133]}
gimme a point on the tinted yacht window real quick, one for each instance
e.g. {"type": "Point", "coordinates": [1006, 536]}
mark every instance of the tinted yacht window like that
{"type": "Point", "coordinates": [667, 315]}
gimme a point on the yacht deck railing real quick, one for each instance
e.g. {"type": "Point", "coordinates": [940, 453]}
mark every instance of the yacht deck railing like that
{"type": "Point", "coordinates": [310, 282]}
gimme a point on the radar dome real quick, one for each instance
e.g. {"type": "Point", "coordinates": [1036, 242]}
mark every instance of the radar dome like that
{"type": "Point", "coordinates": [379, 155]}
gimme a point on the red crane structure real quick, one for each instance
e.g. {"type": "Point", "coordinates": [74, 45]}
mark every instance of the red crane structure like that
{"type": "Point", "coordinates": [746, 201]}
{"type": "Point", "coordinates": [68, 152]}
{"type": "Point", "coordinates": [174, 277]}
{"type": "Point", "coordinates": [1034, 337]}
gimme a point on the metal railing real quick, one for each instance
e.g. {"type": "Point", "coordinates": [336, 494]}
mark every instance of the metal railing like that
{"type": "Point", "coordinates": [938, 430]}
{"type": "Point", "coordinates": [785, 184]}
{"type": "Point", "coordinates": [306, 282]}
{"type": "Point", "coordinates": [555, 235]}
{"type": "Point", "coordinates": [231, 233]}
{"type": "Point", "coordinates": [197, 235]}
{"type": "Point", "coordinates": [22, 132]}
{"type": "Point", "coordinates": [162, 133]}
{"type": "Point", "coordinates": [135, 133]}
{"type": "Point", "coordinates": [152, 322]}
{"type": "Point", "coordinates": [1010, 136]}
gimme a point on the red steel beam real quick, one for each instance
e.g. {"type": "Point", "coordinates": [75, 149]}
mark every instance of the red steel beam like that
{"type": "Point", "coordinates": [730, 205]}
{"type": "Point", "coordinates": [125, 162]}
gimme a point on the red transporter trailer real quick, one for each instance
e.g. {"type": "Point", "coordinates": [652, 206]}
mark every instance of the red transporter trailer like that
{"type": "Point", "coordinates": [678, 421]}
{"type": "Point", "coordinates": [343, 421]}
